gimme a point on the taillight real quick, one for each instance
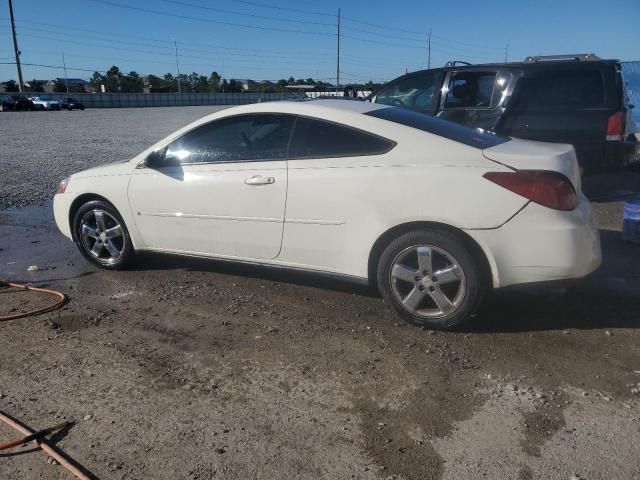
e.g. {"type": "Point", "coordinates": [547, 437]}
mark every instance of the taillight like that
{"type": "Point", "coordinates": [550, 189]}
{"type": "Point", "coordinates": [615, 126]}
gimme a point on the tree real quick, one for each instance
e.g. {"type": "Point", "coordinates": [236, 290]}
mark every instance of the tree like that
{"type": "Point", "coordinates": [96, 81]}
{"type": "Point", "coordinates": [291, 81]}
{"type": "Point", "coordinates": [202, 84]}
{"type": "Point", "coordinates": [59, 86]}
{"type": "Point", "coordinates": [11, 86]}
{"type": "Point", "coordinates": [214, 82]}
{"type": "Point", "coordinates": [36, 86]}
{"type": "Point", "coordinates": [131, 83]}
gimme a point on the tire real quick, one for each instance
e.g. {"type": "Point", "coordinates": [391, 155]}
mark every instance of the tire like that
{"type": "Point", "coordinates": [105, 243]}
{"type": "Point", "coordinates": [406, 279]}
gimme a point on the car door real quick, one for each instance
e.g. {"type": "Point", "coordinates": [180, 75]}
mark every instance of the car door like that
{"type": "Point", "coordinates": [473, 97]}
{"type": "Point", "coordinates": [219, 189]}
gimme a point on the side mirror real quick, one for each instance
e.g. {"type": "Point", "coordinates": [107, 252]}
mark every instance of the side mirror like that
{"type": "Point", "coordinates": [155, 159]}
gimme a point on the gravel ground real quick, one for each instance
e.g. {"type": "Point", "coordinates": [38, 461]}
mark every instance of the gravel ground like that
{"type": "Point", "coordinates": [180, 368]}
{"type": "Point", "coordinates": [41, 148]}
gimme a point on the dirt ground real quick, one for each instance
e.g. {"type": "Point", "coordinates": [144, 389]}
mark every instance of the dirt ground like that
{"type": "Point", "coordinates": [192, 369]}
{"type": "Point", "coordinates": [186, 369]}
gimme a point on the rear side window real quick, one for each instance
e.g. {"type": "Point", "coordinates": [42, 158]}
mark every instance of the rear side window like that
{"type": "Point", "coordinates": [561, 90]}
{"type": "Point", "coordinates": [471, 90]}
{"type": "Point", "coordinates": [417, 92]}
{"type": "Point", "coordinates": [473, 137]}
{"type": "Point", "coordinates": [320, 139]}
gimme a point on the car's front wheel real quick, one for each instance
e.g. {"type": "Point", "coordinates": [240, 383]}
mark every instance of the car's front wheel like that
{"type": "Point", "coordinates": [431, 278]}
{"type": "Point", "coordinates": [102, 236]}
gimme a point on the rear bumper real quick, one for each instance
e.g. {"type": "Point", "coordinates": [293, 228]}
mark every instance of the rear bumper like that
{"type": "Point", "coordinates": [620, 154]}
{"type": "Point", "coordinates": [542, 245]}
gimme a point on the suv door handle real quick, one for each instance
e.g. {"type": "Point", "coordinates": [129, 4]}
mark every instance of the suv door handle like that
{"type": "Point", "coordinates": [260, 180]}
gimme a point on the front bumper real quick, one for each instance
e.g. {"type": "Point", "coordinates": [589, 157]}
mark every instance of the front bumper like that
{"type": "Point", "coordinates": [541, 245]}
{"type": "Point", "coordinates": [61, 207]}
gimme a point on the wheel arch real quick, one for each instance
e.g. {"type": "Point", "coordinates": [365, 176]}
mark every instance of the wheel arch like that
{"type": "Point", "coordinates": [81, 200]}
{"type": "Point", "coordinates": [394, 232]}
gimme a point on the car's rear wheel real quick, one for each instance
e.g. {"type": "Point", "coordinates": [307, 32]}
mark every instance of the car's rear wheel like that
{"type": "Point", "coordinates": [102, 236]}
{"type": "Point", "coordinates": [431, 278]}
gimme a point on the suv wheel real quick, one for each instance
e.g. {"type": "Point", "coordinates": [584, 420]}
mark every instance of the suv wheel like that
{"type": "Point", "coordinates": [431, 279]}
{"type": "Point", "coordinates": [101, 235]}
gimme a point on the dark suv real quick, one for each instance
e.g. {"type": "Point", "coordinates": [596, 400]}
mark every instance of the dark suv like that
{"type": "Point", "coordinates": [576, 99]}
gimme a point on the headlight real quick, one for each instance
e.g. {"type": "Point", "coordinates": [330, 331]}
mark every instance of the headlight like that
{"type": "Point", "coordinates": [63, 185]}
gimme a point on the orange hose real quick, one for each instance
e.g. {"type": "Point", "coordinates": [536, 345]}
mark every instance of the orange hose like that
{"type": "Point", "coordinates": [53, 306]}
{"type": "Point", "coordinates": [58, 455]}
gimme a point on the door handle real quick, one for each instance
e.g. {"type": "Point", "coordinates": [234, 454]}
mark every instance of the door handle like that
{"type": "Point", "coordinates": [260, 180]}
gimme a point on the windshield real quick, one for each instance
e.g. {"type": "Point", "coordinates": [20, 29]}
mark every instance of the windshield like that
{"type": "Point", "coordinates": [417, 92]}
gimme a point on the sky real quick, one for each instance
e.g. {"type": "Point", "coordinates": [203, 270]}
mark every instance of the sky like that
{"type": "Point", "coordinates": [273, 39]}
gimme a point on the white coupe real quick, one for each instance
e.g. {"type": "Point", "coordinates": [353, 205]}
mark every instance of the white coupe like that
{"type": "Point", "coordinates": [432, 213]}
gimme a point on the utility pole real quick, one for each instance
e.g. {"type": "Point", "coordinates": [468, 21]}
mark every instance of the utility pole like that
{"type": "Point", "coordinates": [429, 51]}
{"type": "Point", "coordinates": [66, 80]}
{"type": "Point", "coordinates": [175, 44]}
{"type": "Point", "coordinates": [338, 57]}
{"type": "Point", "coordinates": [15, 46]}
{"type": "Point", "coordinates": [506, 53]}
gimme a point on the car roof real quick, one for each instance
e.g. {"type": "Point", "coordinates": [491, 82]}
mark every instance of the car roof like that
{"type": "Point", "coordinates": [311, 107]}
{"type": "Point", "coordinates": [546, 65]}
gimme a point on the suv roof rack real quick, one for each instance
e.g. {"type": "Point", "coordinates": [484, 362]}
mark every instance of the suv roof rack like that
{"type": "Point", "coordinates": [579, 57]}
{"type": "Point", "coordinates": [454, 62]}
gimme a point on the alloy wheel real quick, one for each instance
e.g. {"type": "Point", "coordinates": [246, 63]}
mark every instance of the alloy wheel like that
{"type": "Point", "coordinates": [102, 236]}
{"type": "Point", "coordinates": [427, 281]}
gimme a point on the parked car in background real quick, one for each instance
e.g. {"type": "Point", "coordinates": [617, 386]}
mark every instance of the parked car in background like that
{"type": "Point", "coordinates": [432, 213]}
{"type": "Point", "coordinates": [575, 99]}
{"type": "Point", "coordinates": [45, 102]}
{"type": "Point", "coordinates": [69, 103]}
{"type": "Point", "coordinates": [23, 103]}
{"type": "Point", "coordinates": [7, 102]}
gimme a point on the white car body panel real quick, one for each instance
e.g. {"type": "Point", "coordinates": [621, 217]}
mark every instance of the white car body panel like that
{"type": "Point", "coordinates": [326, 214]}
{"type": "Point", "coordinates": [209, 208]}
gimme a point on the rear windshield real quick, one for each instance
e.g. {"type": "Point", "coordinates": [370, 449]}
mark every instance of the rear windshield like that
{"type": "Point", "coordinates": [473, 137]}
{"type": "Point", "coordinates": [556, 89]}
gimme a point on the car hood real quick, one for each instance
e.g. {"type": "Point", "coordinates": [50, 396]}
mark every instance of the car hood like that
{"type": "Point", "coordinates": [529, 155]}
{"type": "Point", "coordinates": [123, 167]}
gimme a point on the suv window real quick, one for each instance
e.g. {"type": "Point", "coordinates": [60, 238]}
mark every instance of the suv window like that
{"type": "Point", "coordinates": [321, 139]}
{"type": "Point", "coordinates": [560, 89]}
{"type": "Point", "coordinates": [418, 92]}
{"type": "Point", "coordinates": [242, 138]}
{"type": "Point", "coordinates": [470, 90]}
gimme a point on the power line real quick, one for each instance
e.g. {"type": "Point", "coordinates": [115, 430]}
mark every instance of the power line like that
{"type": "Point", "coordinates": [369, 32]}
{"type": "Point", "coordinates": [208, 20]}
{"type": "Point", "coordinates": [224, 47]}
{"type": "Point", "coordinates": [382, 43]}
{"type": "Point", "coordinates": [252, 15]}
{"type": "Point", "coordinates": [279, 60]}
{"type": "Point", "coordinates": [276, 7]}
{"type": "Point", "coordinates": [385, 27]}
{"type": "Point", "coordinates": [110, 40]}
{"type": "Point", "coordinates": [473, 45]}
{"type": "Point", "coordinates": [60, 67]}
